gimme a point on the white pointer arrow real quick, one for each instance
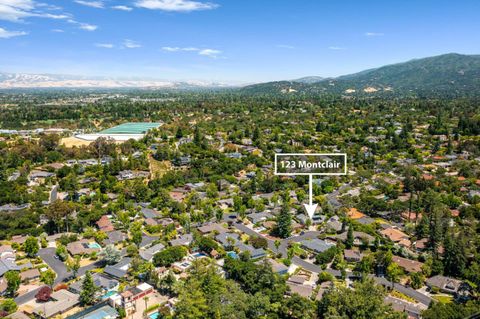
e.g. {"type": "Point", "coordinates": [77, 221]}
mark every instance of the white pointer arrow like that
{"type": "Point", "coordinates": [310, 208]}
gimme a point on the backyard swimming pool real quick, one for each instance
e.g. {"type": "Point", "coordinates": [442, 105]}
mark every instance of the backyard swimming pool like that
{"type": "Point", "coordinates": [154, 315]}
{"type": "Point", "coordinates": [109, 294]}
{"type": "Point", "coordinates": [94, 245]}
{"type": "Point", "coordinates": [232, 254]}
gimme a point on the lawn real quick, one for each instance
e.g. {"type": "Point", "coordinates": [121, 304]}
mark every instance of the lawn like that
{"type": "Point", "coordinates": [443, 298]}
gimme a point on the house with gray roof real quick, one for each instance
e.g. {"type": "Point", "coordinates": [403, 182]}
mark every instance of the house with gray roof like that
{"type": "Point", "coordinates": [184, 240]}
{"type": "Point", "coordinates": [445, 284]}
{"type": "Point", "coordinates": [148, 253]}
{"type": "Point", "coordinates": [7, 263]}
{"type": "Point", "coordinates": [334, 224]}
{"type": "Point", "coordinates": [316, 245]}
{"type": "Point", "coordinates": [255, 253]}
{"type": "Point", "coordinates": [119, 270]}
{"type": "Point", "coordinates": [103, 282]}
{"type": "Point", "coordinates": [61, 301]}
{"type": "Point", "coordinates": [223, 238]}
{"type": "Point", "coordinates": [259, 217]}
{"type": "Point", "coordinates": [114, 237]}
{"type": "Point", "coordinates": [150, 213]}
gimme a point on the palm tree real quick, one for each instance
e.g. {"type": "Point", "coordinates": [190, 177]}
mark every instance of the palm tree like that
{"type": "Point", "coordinates": [146, 303]}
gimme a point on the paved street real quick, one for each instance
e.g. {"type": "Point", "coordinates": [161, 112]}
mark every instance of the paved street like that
{"type": "Point", "coordinates": [48, 256]}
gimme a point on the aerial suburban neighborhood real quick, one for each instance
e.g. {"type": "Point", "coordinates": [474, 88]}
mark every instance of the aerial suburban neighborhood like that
{"type": "Point", "coordinates": [219, 159]}
{"type": "Point", "coordinates": [129, 223]}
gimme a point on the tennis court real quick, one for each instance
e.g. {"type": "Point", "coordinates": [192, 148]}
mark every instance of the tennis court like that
{"type": "Point", "coordinates": [131, 128]}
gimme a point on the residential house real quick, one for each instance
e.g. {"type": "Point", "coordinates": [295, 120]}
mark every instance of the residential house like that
{"type": "Point", "coordinates": [131, 295]}
{"type": "Point", "coordinates": [147, 254]}
{"type": "Point", "coordinates": [119, 270]}
{"type": "Point", "coordinates": [7, 263]}
{"type": "Point", "coordinates": [277, 267]}
{"type": "Point", "coordinates": [150, 213]}
{"type": "Point", "coordinates": [39, 176]}
{"type": "Point", "coordinates": [316, 245]}
{"type": "Point", "coordinates": [396, 236]}
{"type": "Point", "coordinates": [352, 255]}
{"type": "Point", "coordinates": [61, 301]}
{"type": "Point", "coordinates": [114, 237]}
{"type": "Point", "coordinates": [359, 237]}
{"type": "Point", "coordinates": [225, 203]}
{"type": "Point", "coordinates": [259, 217]}
{"type": "Point", "coordinates": [412, 310]}
{"type": "Point", "coordinates": [82, 247]}
{"type": "Point", "coordinates": [101, 281]}
{"type": "Point", "coordinates": [334, 224]}
{"type": "Point", "coordinates": [445, 284]}
{"type": "Point", "coordinates": [30, 274]}
{"type": "Point", "coordinates": [14, 208]}
{"type": "Point", "coordinates": [407, 264]}
{"type": "Point", "coordinates": [211, 227]}
{"type": "Point", "coordinates": [105, 224]}
{"type": "Point", "coordinates": [184, 240]}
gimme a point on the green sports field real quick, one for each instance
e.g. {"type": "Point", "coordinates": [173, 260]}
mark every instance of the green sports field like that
{"type": "Point", "coordinates": [131, 128]}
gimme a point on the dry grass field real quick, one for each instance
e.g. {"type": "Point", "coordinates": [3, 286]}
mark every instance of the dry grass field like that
{"type": "Point", "coordinates": [158, 168]}
{"type": "Point", "coordinates": [73, 141]}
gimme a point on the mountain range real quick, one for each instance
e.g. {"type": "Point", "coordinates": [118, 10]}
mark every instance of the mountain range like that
{"type": "Point", "coordinates": [26, 81]}
{"type": "Point", "coordinates": [449, 74]}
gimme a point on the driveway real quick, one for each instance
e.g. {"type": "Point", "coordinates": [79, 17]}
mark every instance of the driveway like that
{"type": "Point", "coordinates": [48, 256]}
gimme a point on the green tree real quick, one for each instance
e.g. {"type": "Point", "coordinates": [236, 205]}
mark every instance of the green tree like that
{"type": "Point", "coordinates": [451, 310]}
{"type": "Point", "coordinates": [364, 301]}
{"type": "Point", "coordinates": [73, 265]}
{"type": "Point", "coordinates": [13, 282]}
{"type": "Point", "coordinates": [31, 246]}
{"type": "Point", "coordinates": [284, 223]}
{"type": "Point", "coordinates": [61, 252]}
{"type": "Point", "coordinates": [48, 277]}
{"type": "Point", "coordinates": [350, 238]}
{"type": "Point", "coordinates": [8, 305]}
{"type": "Point", "coordinates": [394, 272]}
{"type": "Point", "coordinates": [111, 255]}
{"type": "Point", "coordinates": [416, 280]}
{"type": "Point", "coordinates": [454, 259]}
{"type": "Point", "coordinates": [297, 307]}
{"type": "Point", "coordinates": [169, 255]}
{"type": "Point", "coordinates": [87, 295]}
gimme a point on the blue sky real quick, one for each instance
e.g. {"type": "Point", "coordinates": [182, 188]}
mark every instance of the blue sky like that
{"type": "Point", "coordinates": [228, 40]}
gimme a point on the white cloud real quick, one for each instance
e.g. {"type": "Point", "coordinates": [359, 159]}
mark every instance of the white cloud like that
{"type": "Point", "coordinates": [92, 4]}
{"type": "Point", "coordinates": [122, 8]}
{"type": "Point", "coordinates": [18, 10]}
{"type": "Point", "coordinates": [373, 34]}
{"type": "Point", "coordinates": [176, 49]}
{"type": "Point", "coordinates": [175, 5]}
{"type": "Point", "coordinates": [5, 34]}
{"type": "Point", "coordinates": [88, 27]}
{"type": "Point", "coordinates": [104, 45]}
{"type": "Point", "coordinates": [57, 30]}
{"type": "Point", "coordinates": [336, 48]}
{"type": "Point", "coordinates": [211, 53]}
{"type": "Point", "coordinates": [285, 46]}
{"type": "Point", "coordinates": [130, 44]}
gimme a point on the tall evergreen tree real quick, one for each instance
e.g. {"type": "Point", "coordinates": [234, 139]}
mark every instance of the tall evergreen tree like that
{"type": "Point", "coordinates": [87, 295]}
{"type": "Point", "coordinates": [284, 223]}
{"type": "Point", "coordinates": [350, 238]}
